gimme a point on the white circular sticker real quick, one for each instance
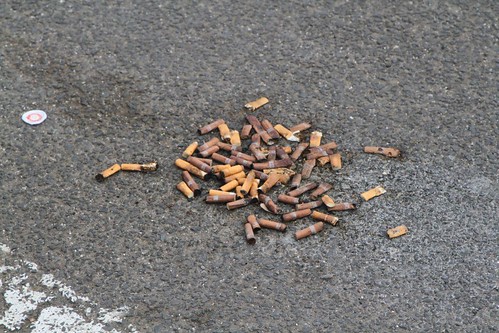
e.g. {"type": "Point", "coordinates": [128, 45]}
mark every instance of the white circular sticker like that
{"type": "Point", "coordinates": [34, 117]}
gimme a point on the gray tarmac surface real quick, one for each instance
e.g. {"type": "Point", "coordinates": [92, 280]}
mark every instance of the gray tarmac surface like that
{"type": "Point", "coordinates": [132, 81]}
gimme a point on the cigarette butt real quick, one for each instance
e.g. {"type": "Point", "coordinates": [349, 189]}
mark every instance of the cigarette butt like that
{"type": "Point", "coordinates": [239, 195]}
{"type": "Point", "coordinates": [229, 186]}
{"type": "Point", "coordinates": [228, 147]}
{"type": "Point", "coordinates": [291, 216]}
{"type": "Point", "coordinates": [242, 161]}
{"type": "Point", "coordinates": [218, 168]}
{"type": "Point", "coordinates": [245, 131]}
{"type": "Point", "coordinates": [321, 189]}
{"type": "Point", "coordinates": [343, 206]}
{"type": "Point", "coordinates": [281, 171]}
{"type": "Point", "coordinates": [238, 203]}
{"type": "Point", "coordinates": [257, 126]}
{"type": "Point", "coordinates": [131, 167]}
{"type": "Point", "coordinates": [315, 139]}
{"type": "Point", "coordinates": [267, 201]}
{"type": "Point", "coordinates": [267, 126]}
{"type": "Point", "coordinates": [269, 183]}
{"type": "Point", "coordinates": [298, 151]}
{"type": "Point", "coordinates": [264, 223]}
{"type": "Point", "coordinates": [324, 217]}
{"type": "Point", "coordinates": [222, 159]}
{"type": "Point", "coordinates": [288, 200]}
{"type": "Point", "coordinates": [250, 236]}
{"type": "Point", "coordinates": [335, 160]}
{"type": "Point", "coordinates": [257, 152]}
{"type": "Point", "coordinates": [252, 106]}
{"type": "Point", "coordinates": [302, 189]}
{"type": "Point", "coordinates": [397, 231]}
{"type": "Point", "coordinates": [272, 153]}
{"type": "Point", "coordinates": [232, 170]}
{"type": "Point", "coordinates": [224, 132]}
{"type": "Point", "coordinates": [248, 182]}
{"type": "Point", "coordinates": [319, 152]}
{"type": "Point", "coordinates": [241, 180]}
{"type": "Point", "coordinates": [251, 219]}
{"type": "Point", "coordinates": [218, 192]}
{"type": "Point", "coordinates": [311, 230]}
{"type": "Point", "coordinates": [253, 192]}
{"type": "Point", "coordinates": [308, 166]}
{"type": "Point", "coordinates": [182, 187]}
{"type": "Point", "coordinates": [224, 198]}
{"type": "Point", "coordinates": [284, 179]}
{"type": "Point", "coordinates": [207, 161]}
{"type": "Point", "coordinates": [186, 176]}
{"type": "Point", "coordinates": [296, 181]}
{"type": "Point", "coordinates": [261, 175]}
{"type": "Point", "coordinates": [199, 164]}
{"type": "Point", "coordinates": [387, 151]}
{"type": "Point", "coordinates": [374, 192]}
{"type": "Point", "coordinates": [108, 172]}
{"type": "Point", "coordinates": [236, 176]}
{"type": "Point", "coordinates": [190, 149]}
{"type": "Point", "coordinates": [309, 205]}
{"type": "Point", "coordinates": [323, 160]}
{"type": "Point", "coordinates": [273, 164]}
{"type": "Point", "coordinates": [300, 127]}
{"type": "Point", "coordinates": [286, 133]}
{"type": "Point", "coordinates": [210, 127]}
{"type": "Point", "coordinates": [328, 201]}
{"type": "Point", "coordinates": [208, 144]}
{"type": "Point", "coordinates": [287, 149]}
{"type": "Point", "coordinates": [235, 139]}
{"type": "Point", "coordinates": [209, 151]}
{"type": "Point", "coordinates": [191, 168]}
{"type": "Point", "coordinates": [244, 156]}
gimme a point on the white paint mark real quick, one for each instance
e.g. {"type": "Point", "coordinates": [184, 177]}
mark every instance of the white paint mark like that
{"type": "Point", "coordinates": [59, 320]}
{"type": "Point", "coordinates": [48, 280]}
{"type": "Point", "coordinates": [32, 266]}
{"type": "Point", "coordinates": [113, 316]}
{"type": "Point", "coordinates": [4, 248]}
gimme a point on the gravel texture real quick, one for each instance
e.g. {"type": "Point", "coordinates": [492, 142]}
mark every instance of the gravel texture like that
{"type": "Point", "coordinates": [125, 81]}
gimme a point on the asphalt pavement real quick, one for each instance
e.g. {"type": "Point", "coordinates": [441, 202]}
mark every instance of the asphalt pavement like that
{"type": "Point", "coordinates": [132, 81]}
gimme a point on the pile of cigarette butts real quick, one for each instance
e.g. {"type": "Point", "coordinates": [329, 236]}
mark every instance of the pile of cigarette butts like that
{"type": "Point", "coordinates": [247, 177]}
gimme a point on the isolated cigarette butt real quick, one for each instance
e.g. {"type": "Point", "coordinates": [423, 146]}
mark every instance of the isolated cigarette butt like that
{"type": "Point", "coordinates": [208, 144]}
{"type": "Point", "coordinates": [220, 167]}
{"type": "Point", "coordinates": [323, 160]}
{"type": "Point", "coordinates": [251, 219]}
{"type": "Point", "coordinates": [397, 231]}
{"type": "Point", "coordinates": [182, 187]}
{"type": "Point", "coordinates": [269, 183]}
{"type": "Point", "coordinates": [264, 223]}
{"type": "Point", "coordinates": [232, 170]}
{"type": "Point", "coordinates": [298, 151]}
{"type": "Point", "coordinates": [316, 215]}
{"type": "Point", "coordinates": [229, 186]}
{"type": "Point", "coordinates": [245, 131]}
{"type": "Point", "coordinates": [291, 216]}
{"type": "Point", "coordinates": [253, 192]}
{"type": "Point", "coordinates": [286, 133]}
{"type": "Point", "coordinates": [223, 198]}
{"type": "Point", "coordinates": [191, 168]}
{"type": "Point", "coordinates": [308, 166]}
{"type": "Point", "coordinates": [190, 149]}
{"type": "Point", "coordinates": [199, 164]}
{"type": "Point", "coordinates": [321, 189]}
{"type": "Point", "coordinates": [186, 176]}
{"type": "Point", "coordinates": [210, 127]}
{"type": "Point", "coordinates": [236, 176]}
{"type": "Point", "coordinates": [311, 230]}
{"type": "Point", "coordinates": [309, 205]}
{"type": "Point", "coordinates": [108, 172]}
{"type": "Point", "coordinates": [342, 206]}
{"type": "Point", "coordinates": [250, 236]}
{"type": "Point", "coordinates": [328, 201]}
{"type": "Point", "coordinates": [267, 126]}
{"type": "Point", "coordinates": [374, 192]}
{"type": "Point", "coordinates": [315, 139]}
{"type": "Point", "coordinates": [335, 160]}
{"type": "Point", "coordinates": [218, 192]}
{"type": "Point", "coordinates": [238, 203]}
{"type": "Point", "coordinates": [224, 132]}
{"type": "Point", "coordinates": [387, 151]}
{"type": "Point", "coordinates": [300, 127]}
{"type": "Point", "coordinates": [252, 106]}
{"type": "Point", "coordinates": [287, 199]}
{"type": "Point", "coordinates": [295, 181]}
{"type": "Point", "coordinates": [235, 139]}
{"type": "Point", "coordinates": [248, 182]}
{"type": "Point", "coordinates": [209, 151]}
{"type": "Point", "coordinates": [302, 189]}
{"type": "Point", "coordinates": [267, 201]}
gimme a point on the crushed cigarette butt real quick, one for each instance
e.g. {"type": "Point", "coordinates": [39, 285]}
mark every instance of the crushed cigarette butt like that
{"type": "Point", "coordinates": [372, 193]}
{"type": "Point", "coordinates": [397, 231]}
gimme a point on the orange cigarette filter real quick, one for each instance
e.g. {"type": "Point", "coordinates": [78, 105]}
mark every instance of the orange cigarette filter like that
{"type": "Point", "coordinates": [308, 166]}
{"type": "Point", "coordinates": [239, 195]}
{"type": "Point", "coordinates": [191, 168]}
{"type": "Point", "coordinates": [245, 131]}
{"type": "Point", "coordinates": [208, 144]}
{"type": "Point", "coordinates": [253, 193]}
{"type": "Point", "coordinates": [209, 151]}
{"type": "Point", "coordinates": [218, 168]}
{"type": "Point", "coordinates": [199, 164]}
{"type": "Point", "coordinates": [323, 160]}
{"type": "Point", "coordinates": [248, 182]}
{"type": "Point", "coordinates": [241, 180]}
{"type": "Point", "coordinates": [108, 172]}
{"type": "Point", "coordinates": [269, 183]}
{"type": "Point", "coordinates": [186, 176]}
{"type": "Point", "coordinates": [252, 106]}
{"type": "Point", "coordinates": [284, 179]}
{"type": "Point", "coordinates": [235, 139]}
{"type": "Point", "coordinates": [291, 216]}
{"type": "Point", "coordinates": [342, 206]}
{"type": "Point", "coordinates": [220, 198]}
{"type": "Point", "coordinates": [152, 166]}
{"type": "Point", "coordinates": [312, 230]}
{"type": "Point", "coordinates": [328, 201]}
{"type": "Point", "coordinates": [232, 170]}
{"type": "Point", "coordinates": [237, 176]}
{"type": "Point", "coordinates": [224, 132]}
{"type": "Point", "coordinates": [287, 149]}
{"type": "Point", "coordinates": [190, 149]}
{"type": "Point", "coordinates": [238, 203]}
{"type": "Point", "coordinates": [387, 151]}
{"type": "Point", "coordinates": [372, 193]}
{"type": "Point", "coordinates": [229, 186]}
{"type": "Point", "coordinates": [210, 127]}
{"type": "Point", "coordinates": [300, 127]}
{"type": "Point", "coordinates": [315, 139]}
{"type": "Point", "coordinates": [335, 160]}
{"type": "Point", "coordinates": [218, 192]}
{"type": "Point", "coordinates": [182, 187]}
{"type": "Point", "coordinates": [264, 223]}
{"type": "Point", "coordinates": [286, 133]}
{"type": "Point", "coordinates": [251, 219]}
{"type": "Point", "coordinates": [397, 231]}
{"type": "Point", "coordinates": [316, 215]}
{"type": "Point", "coordinates": [250, 236]}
